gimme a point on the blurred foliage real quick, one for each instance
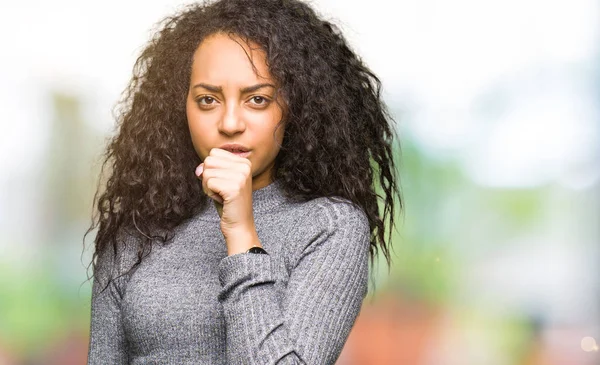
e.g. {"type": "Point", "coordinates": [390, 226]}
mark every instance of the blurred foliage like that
{"type": "Point", "coordinates": [36, 306]}
{"type": "Point", "coordinates": [446, 215]}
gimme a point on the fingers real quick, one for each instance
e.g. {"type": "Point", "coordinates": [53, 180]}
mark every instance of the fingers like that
{"type": "Point", "coordinates": [220, 181]}
{"type": "Point", "coordinates": [223, 153]}
{"type": "Point", "coordinates": [217, 183]}
{"type": "Point", "coordinates": [223, 172]}
{"type": "Point", "coordinates": [219, 158]}
{"type": "Point", "coordinates": [199, 170]}
{"type": "Point", "coordinates": [217, 152]}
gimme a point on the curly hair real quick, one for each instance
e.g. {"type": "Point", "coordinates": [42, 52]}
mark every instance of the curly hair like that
{"type": "Point", "coordinates": [338, 140]}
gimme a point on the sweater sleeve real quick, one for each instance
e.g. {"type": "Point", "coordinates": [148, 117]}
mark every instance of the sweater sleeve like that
{"type": "Point", "coordinates": [311, 322]}
{"type": "Point", "coordinates": [107, 344]}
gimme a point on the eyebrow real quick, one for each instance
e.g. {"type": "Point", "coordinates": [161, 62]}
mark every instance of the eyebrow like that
{"type": "Point", "coordinates": [245, 90]}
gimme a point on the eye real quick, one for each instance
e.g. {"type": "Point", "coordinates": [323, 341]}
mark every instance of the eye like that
{"type": "Point", "coordinates": [207, 100]}
{"type": "Point", "coordinates": [260, 101]}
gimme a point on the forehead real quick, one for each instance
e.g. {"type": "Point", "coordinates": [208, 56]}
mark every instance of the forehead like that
{"type": "Point", "coordinates": [222, 59]}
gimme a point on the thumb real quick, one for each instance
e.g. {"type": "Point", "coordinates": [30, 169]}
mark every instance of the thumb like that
{"type": "Point", "coordinates": [219, 208]}
{"type": "Point", "coordinates": [215, 197]}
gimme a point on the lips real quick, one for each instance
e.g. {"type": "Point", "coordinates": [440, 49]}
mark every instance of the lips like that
{"type": "Point", "coordinates": [237, 149]}
{"type": "Point", "coordinates": [234, 148]}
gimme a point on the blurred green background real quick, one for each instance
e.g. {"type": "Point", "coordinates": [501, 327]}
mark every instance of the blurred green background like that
{"type": "Point", "coordinates": [497, 104]}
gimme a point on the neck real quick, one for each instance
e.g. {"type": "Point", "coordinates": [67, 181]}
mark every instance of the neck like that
{"type": "Point", "coordinates": [262, 180]}
{"type": "Point", "coordinates": [264, 200]}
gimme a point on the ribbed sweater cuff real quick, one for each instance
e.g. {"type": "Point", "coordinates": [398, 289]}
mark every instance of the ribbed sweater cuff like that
{"type": "Point", "coordinates": [241, 271]}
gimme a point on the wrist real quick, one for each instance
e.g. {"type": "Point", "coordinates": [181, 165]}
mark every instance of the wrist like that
{"type": "Point", "coordinates": [241, 241]}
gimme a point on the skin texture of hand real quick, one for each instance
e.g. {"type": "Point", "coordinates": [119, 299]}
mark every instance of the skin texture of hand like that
{"type": "Point", "coordinates": [227, 179]}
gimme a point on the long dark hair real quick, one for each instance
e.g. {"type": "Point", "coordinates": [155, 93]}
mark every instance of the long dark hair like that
{"type": "Point", "coordinates": [338, 139]}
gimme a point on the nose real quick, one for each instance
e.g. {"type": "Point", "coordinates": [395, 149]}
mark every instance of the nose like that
{"type": "Point", "coordinates": [232, 123]}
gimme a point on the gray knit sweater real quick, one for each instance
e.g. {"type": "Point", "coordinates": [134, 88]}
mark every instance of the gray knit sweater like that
{"type": "Point", "coordinates": [190, 303]}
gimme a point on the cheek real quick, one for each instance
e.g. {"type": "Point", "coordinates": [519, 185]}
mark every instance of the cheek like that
{"type": "Point", "coordinates": [197, 134]}
{"type": "Point", "coordinates": [276, 131]}
{"type": "Point", "coordinates": [280, 133]}
{"type": "Point", "coordinates": [191, 120]}
{"type": "Point", "coordinates": [275, 141]}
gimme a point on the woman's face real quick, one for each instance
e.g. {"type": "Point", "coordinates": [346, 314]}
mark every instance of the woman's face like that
{"type": "Point", "coordinates": [228, 103]}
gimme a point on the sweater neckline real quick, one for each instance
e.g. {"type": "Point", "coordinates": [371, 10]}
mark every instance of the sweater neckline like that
{"type": "Point", "coordinates": [264, 200]}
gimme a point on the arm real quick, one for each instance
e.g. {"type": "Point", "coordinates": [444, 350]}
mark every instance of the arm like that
{"type": "Point", "coordinates": [323, 297]}
{"type": "Point", "coordinates": [107, 340]}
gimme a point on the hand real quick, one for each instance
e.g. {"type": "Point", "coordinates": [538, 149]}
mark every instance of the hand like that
{"type": "Point", "coordinates": [227, 179]}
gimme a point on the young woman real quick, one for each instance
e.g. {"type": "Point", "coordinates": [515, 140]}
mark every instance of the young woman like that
{"type": "Point", "coordinates": [241, 209]}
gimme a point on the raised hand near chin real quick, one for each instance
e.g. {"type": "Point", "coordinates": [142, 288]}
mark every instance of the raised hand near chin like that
{"type": "Point", "coordinates": [227, 180]}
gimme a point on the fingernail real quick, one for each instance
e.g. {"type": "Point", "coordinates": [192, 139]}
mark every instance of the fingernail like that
{"type": "Point", "coordinates": [199, 169]}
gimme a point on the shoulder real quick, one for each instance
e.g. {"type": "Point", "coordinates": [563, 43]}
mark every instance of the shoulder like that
{"type": "Point", "coordinates": [114, 260]}
{"type": "Point", "coordinates": [332, 213]}
{"type": "Point", "coordinates": [331, 222]}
